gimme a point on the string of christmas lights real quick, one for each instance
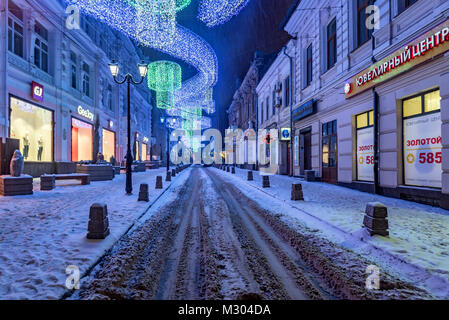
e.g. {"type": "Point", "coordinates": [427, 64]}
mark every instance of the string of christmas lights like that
{"type": "Point", "coordinates": [164, 77]}
{"type": "Point", "coordinates": [216, 12]}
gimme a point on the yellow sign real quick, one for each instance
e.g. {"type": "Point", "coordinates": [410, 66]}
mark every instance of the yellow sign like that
{"type": "Point", "coordinates": [426, 47]}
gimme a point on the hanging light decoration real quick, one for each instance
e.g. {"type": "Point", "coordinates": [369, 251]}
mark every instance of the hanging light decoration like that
{"type": "Point", "coordinates": [216, 12]}
{"type": "Point", "coordinates": [165, 78]}
{"type": "Point", "coordinates": [185, 45]}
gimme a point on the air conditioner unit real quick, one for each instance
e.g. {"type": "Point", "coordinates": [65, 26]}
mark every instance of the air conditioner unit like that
{"type": "Point", "coordinates": [278, 103]}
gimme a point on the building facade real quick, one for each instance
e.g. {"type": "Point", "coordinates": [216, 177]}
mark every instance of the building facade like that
{"type": "Point", "coordinates": [58, 97]}
{"type": "Point", "coordinates": [274, 94]}
{"type": "Point", "coordinates": [372, 95]}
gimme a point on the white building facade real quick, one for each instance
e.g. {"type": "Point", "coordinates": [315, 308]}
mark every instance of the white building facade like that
{"type": "Point", "coordinates": [372, 95]}
{"type": "Point", "coordinates": [57, 96]}
{"type": "Point", "coordinates": [275, 98]}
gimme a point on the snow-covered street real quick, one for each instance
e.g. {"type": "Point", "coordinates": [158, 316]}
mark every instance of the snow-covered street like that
{"type": "Point", "coordinates": [43, 233]}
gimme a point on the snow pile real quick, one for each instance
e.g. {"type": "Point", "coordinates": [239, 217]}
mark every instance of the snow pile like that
{"type": "Point", "coordinates": [43, 233]}
{"type": "Point", "coordinates": [419, 234]}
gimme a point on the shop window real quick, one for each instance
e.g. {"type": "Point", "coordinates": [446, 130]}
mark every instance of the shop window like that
{"type": "Point", "coordinates": [15, 29]}
{"type": "Point", "coordinates": [331, 44]}
{"type": "Point", "coordinates": [41, 47]}
{"type": "Point", "coordinates": [365, 146]}
{"type": "Point", "coordinates": [86, 79]}
{"type": "Point", "coordinates": [422, 156]}
{"type": "Point", "coordinates": [363, 33]}
{"type": "Point", "coordinates": [309, 62]}
{"type": "Point", "coordinates": [82, 140]}
{"type": "Point", "coordinates": [144, 151]}
{"type": "Point", "coordinates": [329, 144]}
{"type": "Point", "coordinates": [33, 127]}
{"type": "Point", "coordinates": [108, 144]}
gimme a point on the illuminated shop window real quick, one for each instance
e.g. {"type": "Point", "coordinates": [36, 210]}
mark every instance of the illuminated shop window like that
{"type": "Point", "coordinates": [82, 140]}
{"type": "Point", "coordinates": [365, 146]}
{"type": "Point", "coordinates": [144, 151]}
{"type": "Point", "coordinates": [33, 127]}
{"type": "Point", "coordinates": [108, 144]}
{"type": "Point", "coordinates": [422, 148]}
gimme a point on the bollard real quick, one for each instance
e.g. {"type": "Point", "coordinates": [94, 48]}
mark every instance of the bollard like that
{"type": "Point", "coordinates": [159, 182]}
{"type": "Point", "coordinates": [265, 181]}
{"type": "Point", "coordinates": [168, 176]}
{"type": "Point", "coordinates": [173, 173]}
{"type": "Point", "coordinates": [98, 227]}
{"type": "Point", "coordinates": [375, 220]}
{"type": "Point", "coordinates": [233, 170]}
{"type": "Point", "coordinates": [250, 176]}
{"type": "Point", "coordinates": [143, 193]}
{"type": "Point", "coordinates": [227, 169]}
{"type": "Point", "coordinates": [297, 192]}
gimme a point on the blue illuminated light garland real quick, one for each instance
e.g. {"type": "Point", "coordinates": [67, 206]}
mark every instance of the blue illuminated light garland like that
{"type": "Point", "coordinates": [216, 12]}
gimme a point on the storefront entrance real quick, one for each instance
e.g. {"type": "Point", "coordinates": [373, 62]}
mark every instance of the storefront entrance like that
{"type": "Point", "coordinates": [82, 140]}
{"type": "Point", "coordinates": [33, 127]}
{"type": "Point", "coordinates": [329, 148]}
{"type": "Point", "coordinates": [305, 152]}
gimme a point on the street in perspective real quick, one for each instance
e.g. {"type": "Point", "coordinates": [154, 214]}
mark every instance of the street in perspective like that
{"type": "Point", "coordinates": [226, 155]}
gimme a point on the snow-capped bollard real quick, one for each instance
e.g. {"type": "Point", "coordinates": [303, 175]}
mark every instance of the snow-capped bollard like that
{"type": "Point", "coordinates": [250, 176]}
{"type": "Point", "coordinates": [297, 192]}
{"type": "Point", "coordinates": [233, 170]}
{"type": "Point", "coordinates": [168, 176]}
{"type": "Point", "coordinates": [265, 181]}
{"type": "Point", "coordinates": [143, 193]}
{"type": "Point", "coordinates": [173, 173]}
{"type": "Point", "coordinates": [98, 227]}
{"type": "Point", "coordinates": [227, 169]}
{"type": "Point", "coordinates": [375, 220]}
{"type": "Point", "coordinates": [159, 182]}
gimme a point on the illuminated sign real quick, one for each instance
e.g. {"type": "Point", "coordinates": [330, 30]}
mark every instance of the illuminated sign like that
{"type": "Point", "coordinates": [111, 124]}
{"type": "Point", "coordinates": [37, 91]}
{"type": "Point", "coordinates": [426, 47]}
{"type": "Point", "coordinates": [85, 113]}
{"type": "Point", "coordinates": [145, 139]}
{"type": "Point", "coordinates": [286, 134]}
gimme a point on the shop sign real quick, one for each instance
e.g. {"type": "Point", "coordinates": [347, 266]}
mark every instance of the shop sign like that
{"type": "Point", "coordinates": [426, 47]}
{"type": "Point", "coordinates": [85, 113]}
{"type": "Point", "coordinates": [286, 134]}
{"type": "Point", "coordinates": [422, 151]}
{"type": "Point", "coordinates": [305, 110]}
{"type": "Point", "coordinates": [365, 154]}
{"type": "Point", "coordinates": [37, 91]}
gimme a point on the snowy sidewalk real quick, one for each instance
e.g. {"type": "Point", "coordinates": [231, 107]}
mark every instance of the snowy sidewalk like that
{"type": "Point", "coordinates": [419, 234]}
{"type": "Point", "coordinates": [43, 233]}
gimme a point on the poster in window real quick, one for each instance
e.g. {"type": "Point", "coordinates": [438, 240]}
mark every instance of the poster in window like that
{"type": "Point", "coordinates": [296, 147]}
{"type": "Point", "coordinates": [422, 151]}
{"type": "Point", "coordinates": [365, 154]}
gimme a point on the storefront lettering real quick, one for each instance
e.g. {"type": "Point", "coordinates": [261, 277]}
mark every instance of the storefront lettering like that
{"type": "Point", "coordinates": [425, 48]}
{"type": "Point", "coordinates": [85, 113]}
{"type": "Point", "coordinates": [424, 141]}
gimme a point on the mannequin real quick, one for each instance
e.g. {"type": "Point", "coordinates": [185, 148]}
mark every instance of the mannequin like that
{"type": "Point", "coordinates": [26, 145]}
{"type": "Point", "coordinates": [40, 144]}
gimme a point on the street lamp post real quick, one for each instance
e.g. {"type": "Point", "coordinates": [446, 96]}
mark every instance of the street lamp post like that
{"type": "Point", "coordinates": [128, 78]}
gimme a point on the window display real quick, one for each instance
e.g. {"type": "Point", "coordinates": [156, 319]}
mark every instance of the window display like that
{"type": "Point", "coordinates": [422, 140]}
{"type": "Point", "coordinates": [144, 151]}
{"type": "Point", "coordinates": [82, 140]}
{"type": "Point", "coordinates": [108, 144]}
{"type": "Point", "coordinates": [137, 157]}
{"type": "Point", "coordinates": [365, 146]}
{"type": "Point", "coordinates": [33, 126]}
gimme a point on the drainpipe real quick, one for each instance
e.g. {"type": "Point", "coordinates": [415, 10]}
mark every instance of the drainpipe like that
{"type": "Point", "coordinates": [256, 105]}
{"type": "Point", "coordinates": [291, 110]}
{"type": "Point", "coordinates": [376, 140]}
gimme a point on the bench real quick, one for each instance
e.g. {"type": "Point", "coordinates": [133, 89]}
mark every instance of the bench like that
{"type": "Point", "coordinates": [48, 180]}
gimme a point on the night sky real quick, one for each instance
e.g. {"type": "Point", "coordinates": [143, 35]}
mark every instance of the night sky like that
{"type": "Point", "coordinates": [257, 27]}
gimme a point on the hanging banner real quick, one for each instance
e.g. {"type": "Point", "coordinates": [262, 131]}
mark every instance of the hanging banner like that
{"type": "Point", "coordinates": [365, 154]}
{"type": "Point", "coordinates": [422, 151]}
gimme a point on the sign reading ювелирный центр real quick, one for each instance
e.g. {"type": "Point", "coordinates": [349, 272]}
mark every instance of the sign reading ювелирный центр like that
{"type": "Point", "coordinates": [426, 47]}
